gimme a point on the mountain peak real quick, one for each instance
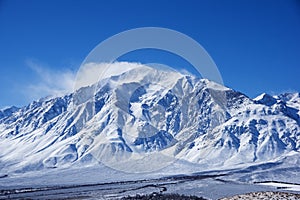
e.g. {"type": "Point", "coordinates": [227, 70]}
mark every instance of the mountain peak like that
{"type": "Point", "coordinates": [265, 99]}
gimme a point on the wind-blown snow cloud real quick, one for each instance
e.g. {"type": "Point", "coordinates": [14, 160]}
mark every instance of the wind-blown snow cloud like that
{"type": "Point", "coordinates": [53, 82]}
{"type": "Point", "coordinates": [50, 82]}
{"type": "Point", "coordinates": [91, 73]}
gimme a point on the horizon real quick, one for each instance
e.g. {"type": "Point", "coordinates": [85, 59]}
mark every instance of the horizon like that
{"type": "Point", "coordinates": [254, 44]}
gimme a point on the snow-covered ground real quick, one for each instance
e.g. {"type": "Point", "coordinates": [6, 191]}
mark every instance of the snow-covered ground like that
{"type": "Point", "coordinates": [91, 183]}
{"type": "Point", "coordinates": [284, 186]}
{"type": "Point", "coordinates": [106, 183]}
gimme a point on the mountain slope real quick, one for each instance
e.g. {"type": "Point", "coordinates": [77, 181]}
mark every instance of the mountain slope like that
{"type": "Point", "coordinates": [144, 120]}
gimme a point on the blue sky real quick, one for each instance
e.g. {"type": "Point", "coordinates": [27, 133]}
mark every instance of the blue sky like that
{"type": "Point", "coordinates": [255, 43]}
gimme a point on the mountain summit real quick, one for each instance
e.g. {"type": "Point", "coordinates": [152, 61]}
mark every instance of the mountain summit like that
{"type": "Point", "coordinates": [145, 119]}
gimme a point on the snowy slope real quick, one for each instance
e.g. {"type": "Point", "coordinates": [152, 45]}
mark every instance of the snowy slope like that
{"type": "Point", "coordinates": [151, 116]}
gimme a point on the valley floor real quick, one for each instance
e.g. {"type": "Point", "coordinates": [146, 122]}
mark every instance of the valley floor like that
{"type": "Point", "coordinates": [79, 184]}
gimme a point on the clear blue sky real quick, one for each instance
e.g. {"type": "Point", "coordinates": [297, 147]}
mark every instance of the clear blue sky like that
{"type": "Point", "coordinates": [255, 43]}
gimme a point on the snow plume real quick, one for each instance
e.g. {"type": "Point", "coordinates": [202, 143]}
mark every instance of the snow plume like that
{"type": "Point", "coordinates": [91, 73]}
{"type": "Point", "coordinates": [51, 82]}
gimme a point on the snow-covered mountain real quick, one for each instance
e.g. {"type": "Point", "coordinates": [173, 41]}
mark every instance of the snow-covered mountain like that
{"type": "Point", "coordinates": [146, 118]}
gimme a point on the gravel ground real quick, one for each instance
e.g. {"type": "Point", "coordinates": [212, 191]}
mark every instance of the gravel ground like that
{"type": "Point", "coordinates": [266, 196]}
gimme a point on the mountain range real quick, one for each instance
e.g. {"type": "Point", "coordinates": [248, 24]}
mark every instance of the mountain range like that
{"type": "Point", "coordinates": [145, 119]}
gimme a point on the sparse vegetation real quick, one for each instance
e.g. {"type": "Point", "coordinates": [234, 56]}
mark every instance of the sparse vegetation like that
{"type": "Point", "coordinates": [265, 195]}
{"type": "Point", "coordinates": [156, 196]}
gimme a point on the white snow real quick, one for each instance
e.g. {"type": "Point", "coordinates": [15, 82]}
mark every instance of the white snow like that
{"type": "Point", "coordinates": [285, 186]}
{"type": "Point", "coordinates": [140, 112]}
